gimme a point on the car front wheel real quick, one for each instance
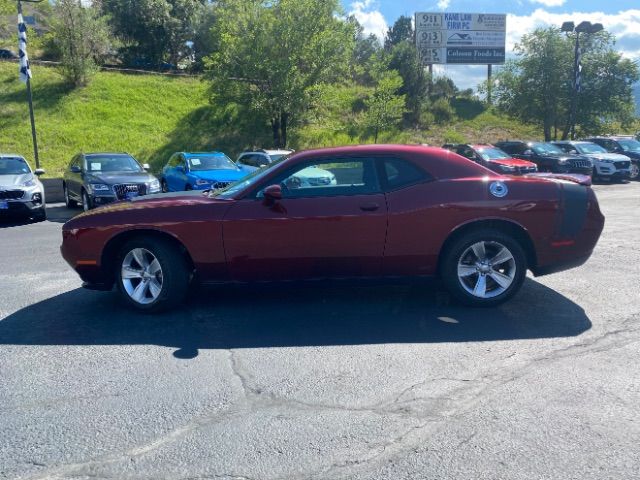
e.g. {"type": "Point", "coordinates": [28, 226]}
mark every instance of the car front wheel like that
{"type": "Point", "coordinates": [635, 171]}
{"type": "Point", "coordinates": [484, 268]}
{"type": "Point", "coordinates": [67, 200]}
{"type": "Point", "coordinates": [152, 275]}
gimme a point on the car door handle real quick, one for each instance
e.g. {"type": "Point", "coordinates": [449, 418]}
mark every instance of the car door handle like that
{"type": "Point", "coordinates": [369, 207]}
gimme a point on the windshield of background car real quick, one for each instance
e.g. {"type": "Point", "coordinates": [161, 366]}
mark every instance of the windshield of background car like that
{"type": "Point", "coordinates": [492, 154]}
{"type": "Point", "coordinates": [630, 145]}
{"type": "Point", "coordinates": [546, 149]}
{"type": "Point", "coordinates": [112, 163]}
{"type": "Point", "coordinates": [211, 162]}
{"type": "Point", "coordinates": [13, 166]}
{"type": "Point", "coordinates": [244, 182]}
{"type": "Point", "coordinates": [278, 156]}
{"type": "Point", "coordinates": [590, 148]}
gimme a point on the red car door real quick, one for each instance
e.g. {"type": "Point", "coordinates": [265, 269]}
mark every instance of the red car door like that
{"type": "Point", "coordinates": [330, 222]}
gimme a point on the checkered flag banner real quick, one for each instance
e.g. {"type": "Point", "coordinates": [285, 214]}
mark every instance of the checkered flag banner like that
{"type": "Point", "coordinates": [25, 68]}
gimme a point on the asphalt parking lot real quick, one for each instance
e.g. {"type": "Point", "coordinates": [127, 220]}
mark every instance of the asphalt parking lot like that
{"type": "Point", "coordinates": [385, 382]}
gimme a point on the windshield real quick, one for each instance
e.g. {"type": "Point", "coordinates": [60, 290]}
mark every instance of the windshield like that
{"type": "Point", "coordinates": [492, 154]}
{"type": "Point", "coordinates": [112, 163]}
{"type": "Point", "coordinates": [546, 149]}
{"type": "Point", "coordinates": [13, 166]}
{"type": "Point", "coordinates": [589, 148]}
{"type": "Point", "coordinates": [245, 182]}
{"type": "Point", "coordinates": [630, 145]}
{"type": "Point", "coordinates": [278, 156]}
{"type": "Point", "coordinates": [211, 162]}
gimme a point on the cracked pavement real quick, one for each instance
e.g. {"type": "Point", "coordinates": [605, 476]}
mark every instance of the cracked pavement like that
{"type": "Point", "coordinates": [384, 382]}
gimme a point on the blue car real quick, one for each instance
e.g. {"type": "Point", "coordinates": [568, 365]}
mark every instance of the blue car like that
{"type": "Point", "coordinates": [199, 171]}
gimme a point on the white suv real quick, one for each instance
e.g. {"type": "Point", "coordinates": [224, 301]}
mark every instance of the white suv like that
{"type": "Point", "coordinates": [252, 160]}
{"type": "Point", "coordinates": [21, 192]}
{"type": "Point", "coordinates": [612, 166]}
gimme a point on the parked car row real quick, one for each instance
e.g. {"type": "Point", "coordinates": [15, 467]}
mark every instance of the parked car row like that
{"type": "Point", "coordinates": [95, 179]}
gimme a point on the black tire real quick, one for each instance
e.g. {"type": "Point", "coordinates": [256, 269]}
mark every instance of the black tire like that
{"type": "Point", "coordinates": [635, 171]}
{"type": "Point", "coordinates": [40, 215]}
{"type": "Point", "coordinates": [188, 187]}
{"type": "Point", "coordinates": [68, 201]}
{"type": "Point", "coordinates": [175, 274]}
{"type": "Point", "coordinates": [86, 201]}
{"type": "Point", "coordinates": [163, 186]}
{"type": "Point", "coordinates": [454, 252]}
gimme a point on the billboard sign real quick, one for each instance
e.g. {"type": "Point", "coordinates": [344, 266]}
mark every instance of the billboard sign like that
{"type": "Point", "coordinates": [461, 38]}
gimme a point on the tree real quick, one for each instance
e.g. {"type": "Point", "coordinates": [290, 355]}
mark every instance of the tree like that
{"type": "Point", "coordinates": [403, 58]}
{"type": "Point", "coordinates": [385, 106]}
{"type": "Point", "coordinates": [82, 37]}
{"type": "Point", "coordinates": [153, 31]}
{"type": "Point", "coordinates": [270, 53]}
{"type": "Point", "coordinates": [537, 87]}
{"type": "Point", "coordinates": [401, 31]}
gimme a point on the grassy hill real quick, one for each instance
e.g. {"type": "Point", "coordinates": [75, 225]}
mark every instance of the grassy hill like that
{"type": "Point", "coordinates": [152, 116]}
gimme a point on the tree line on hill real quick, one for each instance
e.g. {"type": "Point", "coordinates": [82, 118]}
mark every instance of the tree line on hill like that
{"type": "Point", "coordinates": [283, 64]}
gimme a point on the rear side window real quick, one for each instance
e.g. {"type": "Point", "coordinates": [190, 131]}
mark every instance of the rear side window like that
{"type": "Point", "coordinates": [400, 173]}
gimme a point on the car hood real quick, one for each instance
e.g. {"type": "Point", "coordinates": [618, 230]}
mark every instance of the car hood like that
{"type": "Point", "coordinates": [113, 178]}
{"type": "Point", "coordinates": [219, 175]}
{"type": "Point", "coordinates": [12, 181]}
{"type": "Point", "coordinates": [512, 162]}
{"type": "Point", "coordinates": [154, 201]}
{"type": "Point", "coordinates": [634, 155]}
{"type": "Point", "coordinates": [607, 156]}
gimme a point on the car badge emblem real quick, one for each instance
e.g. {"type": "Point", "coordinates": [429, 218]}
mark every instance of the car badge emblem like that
{"type": "Point", "coordinates": [498, 189]}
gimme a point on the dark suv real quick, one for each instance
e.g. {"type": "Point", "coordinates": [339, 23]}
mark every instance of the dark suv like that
{"type": "Point", "coordinates": [547, 157]}
{"type": "Point", "coordinates": [625, 145]}
{"type": "Point", "coordinates": [94, 179]}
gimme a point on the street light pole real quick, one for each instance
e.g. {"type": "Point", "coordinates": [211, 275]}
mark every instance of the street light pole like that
{"type": "Point", "coordinates": [583, 27]}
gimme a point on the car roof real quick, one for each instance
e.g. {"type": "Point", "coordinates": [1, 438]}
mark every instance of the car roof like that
{"type": "Point", "coordinates": [92, 154]}
{"type": "Point", "coordinates": [268, 152]}
{"type": "Point", "coordinates": [11, 155]}
{"type": "Point", "coordinates": [443, 163]}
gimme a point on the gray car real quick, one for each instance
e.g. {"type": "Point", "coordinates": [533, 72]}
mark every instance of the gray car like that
{"type": "Point", "coordinates": [94, 179]}
{"type": "Point", "coordinates": [21, 192]}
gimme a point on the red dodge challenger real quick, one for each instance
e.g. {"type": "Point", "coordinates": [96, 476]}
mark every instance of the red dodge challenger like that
{"type": "Point", "coordinates": [351, 212]}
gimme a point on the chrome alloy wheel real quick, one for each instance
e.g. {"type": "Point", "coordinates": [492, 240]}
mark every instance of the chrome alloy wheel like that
{"type": "Point", "coordinates": [635, 171]}
{"type": "Point", "coordinates": [141, 276]}
{"type": "Point", "coordinates": [486, 269]}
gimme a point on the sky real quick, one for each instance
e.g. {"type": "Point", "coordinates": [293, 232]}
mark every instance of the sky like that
{"type": "Point", "coordinates": [620, 17]}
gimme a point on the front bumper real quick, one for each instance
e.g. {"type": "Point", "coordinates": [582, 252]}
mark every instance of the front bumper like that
{"type": "Point", "coordinates": [21, 208]}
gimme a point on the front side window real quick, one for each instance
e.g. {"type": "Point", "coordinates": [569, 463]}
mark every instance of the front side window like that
{"type": "Point", "coordinates": [330, 178]}
{"type": "Point", "coordinates": [629, 145]}
{"type": "Point", "coordinates": [111, 163]}
{"type": "Point", "coordinates": [13, 166]}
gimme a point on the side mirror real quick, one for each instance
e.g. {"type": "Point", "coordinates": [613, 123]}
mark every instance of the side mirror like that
{"type": "Point", "coordinates": [272, 194]}
{"type": "Point", "coordinates": [146, 166]}
{"type": "Point", "coordinates": [528, 152]}
{"type": "Point", "coordinates": [76, 169]}
{"type": "Point", "coordinates": [39, 171]}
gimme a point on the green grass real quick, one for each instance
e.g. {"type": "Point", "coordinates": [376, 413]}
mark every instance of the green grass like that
{"type": "Point", "coordinates": [152, 116]}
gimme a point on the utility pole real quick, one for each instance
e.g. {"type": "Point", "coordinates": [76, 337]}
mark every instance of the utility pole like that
{"type": "Point", "coordinates": [489, 83]}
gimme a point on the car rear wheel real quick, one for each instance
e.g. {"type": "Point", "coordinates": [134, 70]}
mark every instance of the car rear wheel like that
{"type": "Point", "coordinates": [67, 201]}
{"type": "Point", "coordinates": [152, 275]}
{"type": "Point", "coordinates": [484, 268]}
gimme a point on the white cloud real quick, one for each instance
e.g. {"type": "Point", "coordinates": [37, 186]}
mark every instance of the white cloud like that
{"type": "Point", "coordinates": [550, 3]}
{"type": "Point", "coordinates": [442, 4]}
{"type": "Point", "coordinates": [624, 25]}
{"type": "Point", "coordinates": [370, 18]}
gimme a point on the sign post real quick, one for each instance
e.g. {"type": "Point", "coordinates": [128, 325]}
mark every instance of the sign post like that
{"type": "Point", "coordinates": [461, 39]}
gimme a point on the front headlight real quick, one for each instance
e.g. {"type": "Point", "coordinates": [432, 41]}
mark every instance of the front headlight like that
{"type": "Point", "coordinates": [200, 181]}
{"type": "Point", "coordinates": [29, 183]}
{"type": "Point", "coordinates": [153, 186]}
{"type": "Point", "coordinates": [605, 160]}
{"type": "Point", "coordinates": [563, 161]}
{"type": "Point", "coordinates": [507, 168]}
{"type": "Point", "coordinates": [98, 187]}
